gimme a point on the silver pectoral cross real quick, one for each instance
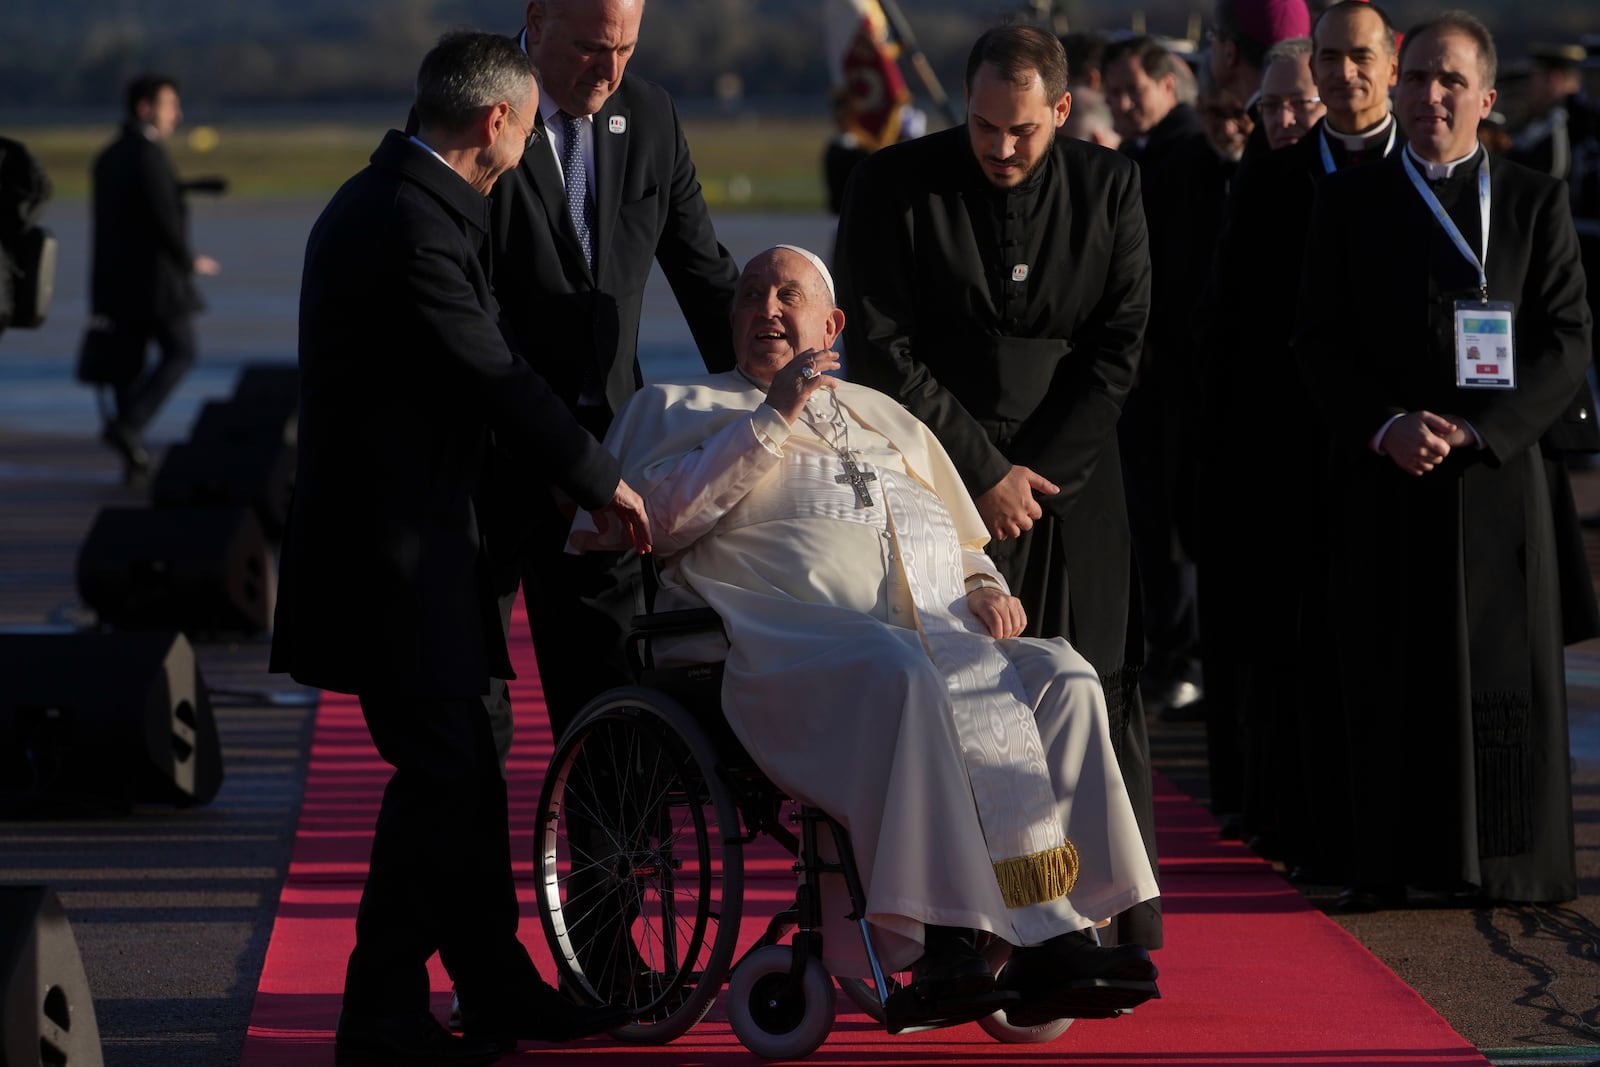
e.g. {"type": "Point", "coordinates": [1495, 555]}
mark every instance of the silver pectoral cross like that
{"type": "Point", "coordinates": [857, 478]}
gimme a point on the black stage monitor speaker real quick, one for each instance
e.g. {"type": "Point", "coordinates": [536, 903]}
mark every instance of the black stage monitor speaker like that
{"type": "Point", "coordinates": [223, 422]}
{"type": "Point", "coordinates": [238, 455]}
{"type": "Point", "coordinates": [48, 1018]}
{"type": "Point", "coordinates": [196, 569]}
{"type": "Point", "coordinates": [104, 720]}
{"type": "Point", "coordinates": [272, 386]}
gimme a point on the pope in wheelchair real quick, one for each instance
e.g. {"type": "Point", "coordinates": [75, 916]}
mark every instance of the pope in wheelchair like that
{"type": "Point", "coordinates": [876, 670]}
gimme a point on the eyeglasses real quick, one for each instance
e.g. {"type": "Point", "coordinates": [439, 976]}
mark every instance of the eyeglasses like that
{"type": "Point", "coordinates": [1302, 106]}
{"type": "Point", "coordinates": [533, 131]}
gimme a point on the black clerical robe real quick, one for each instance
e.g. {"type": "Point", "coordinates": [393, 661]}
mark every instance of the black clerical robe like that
{"type": "Point", "coordinates": [1445, 587]}
{"type": "Point", "coordinates": [1011, 323]}
{"type": "Point", "coordinates": [1259, 540]}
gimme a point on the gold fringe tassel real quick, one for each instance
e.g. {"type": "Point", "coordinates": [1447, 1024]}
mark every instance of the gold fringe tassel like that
{"type": "Point", "coordinates": [1039, 877]}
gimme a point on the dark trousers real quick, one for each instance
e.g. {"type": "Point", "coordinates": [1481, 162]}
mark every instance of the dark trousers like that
{"type": "Point", "coordinates": [439, 879]}
{"type": "Point", "coordinates": [140, 399]}
{"type": "Point", "coordinates": [580, 609]}
{"type": "Point", "coordinates": [497, 701]}
{"type": "Point", "coordinates": [1156, 475]}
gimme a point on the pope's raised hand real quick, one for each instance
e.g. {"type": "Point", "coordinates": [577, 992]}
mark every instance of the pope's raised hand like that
{"type": "Point", "coordinates": [796, 380]}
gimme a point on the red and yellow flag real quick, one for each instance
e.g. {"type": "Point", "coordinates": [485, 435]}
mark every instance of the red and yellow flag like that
{"type": "Point", "coordinates": [869, 89]}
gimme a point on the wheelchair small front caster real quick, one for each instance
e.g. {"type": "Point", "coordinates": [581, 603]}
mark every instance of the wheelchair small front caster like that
{"type": "Point", "coordinates": [774, 1017]}
{"type": "Point", "coordinates": [998, 1028]}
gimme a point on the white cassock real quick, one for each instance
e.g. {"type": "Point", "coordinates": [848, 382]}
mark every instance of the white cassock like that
{"type": "Point", "coordinates": [969, 771]}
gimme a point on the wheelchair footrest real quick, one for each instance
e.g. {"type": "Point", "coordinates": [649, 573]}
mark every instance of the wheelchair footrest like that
{"type": "Point", "coordinates": [908, 1013]}
{"type": "Point", "coordinates": [1089, 998]}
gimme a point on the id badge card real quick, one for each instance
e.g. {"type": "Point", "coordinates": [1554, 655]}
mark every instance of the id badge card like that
{"type": "Point", "coordinates": [1485, 355]}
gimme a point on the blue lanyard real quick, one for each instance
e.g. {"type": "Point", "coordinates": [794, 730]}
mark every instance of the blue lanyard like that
{"type": "Point", "coordinates": [1328, 166]}
{"type": "Point", "coordinates": [1450, 228]}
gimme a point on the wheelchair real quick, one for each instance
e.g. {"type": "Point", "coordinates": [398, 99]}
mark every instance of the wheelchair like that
{"type": "Point", "coordinates": [646, 807]}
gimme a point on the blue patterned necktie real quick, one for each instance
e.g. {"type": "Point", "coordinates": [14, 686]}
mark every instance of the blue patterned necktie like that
{"type": "Point", "coordinates": [576, 175]}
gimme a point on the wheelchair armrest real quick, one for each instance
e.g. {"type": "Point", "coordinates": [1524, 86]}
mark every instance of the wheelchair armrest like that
{"type": "Point", "coordinates": [649, 628]}
{"type": "Point", "coordinates": [682, 621]}
{"type": "Point", "coordinates": [653, 625]}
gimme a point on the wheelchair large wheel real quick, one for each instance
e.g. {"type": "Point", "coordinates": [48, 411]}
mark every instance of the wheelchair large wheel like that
{"type": "Point", "coordinates": [773, 1017]}
{"type": "Point", "coordinates": [639, 872]}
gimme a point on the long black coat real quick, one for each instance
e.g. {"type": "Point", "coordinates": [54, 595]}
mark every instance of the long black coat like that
{"type": "Point", "coordinates": [1259, 539]}
{"type": "Point", "coordinates": [404, 373]}
{"type": "Point", "coordinates": [143, 267]}
{"type": "Point", "coordinates": [1019, 367]}
{"type": "Point", "coordinates": [1446, 587]}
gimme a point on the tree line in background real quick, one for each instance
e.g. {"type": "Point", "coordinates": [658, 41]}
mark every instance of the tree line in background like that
{"type": "Point", "coordinates": [78, 53]}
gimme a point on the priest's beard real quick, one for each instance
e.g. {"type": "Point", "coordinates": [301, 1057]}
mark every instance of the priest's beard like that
{"type": "Point", "coordinates": [1032, 168]}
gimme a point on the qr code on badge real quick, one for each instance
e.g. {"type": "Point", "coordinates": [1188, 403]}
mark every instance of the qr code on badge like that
{"type": "Point", "coordinates": [1500, 353]}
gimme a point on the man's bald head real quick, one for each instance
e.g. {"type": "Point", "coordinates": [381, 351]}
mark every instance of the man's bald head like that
{"type": "Point", "coordinates": [784, 306]}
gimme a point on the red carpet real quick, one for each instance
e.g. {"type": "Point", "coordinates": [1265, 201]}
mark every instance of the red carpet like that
{"type": "Point", "coordinates": [1251, 974]}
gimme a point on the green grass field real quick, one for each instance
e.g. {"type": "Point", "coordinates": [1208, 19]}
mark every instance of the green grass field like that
{"type": "Point", "coordinates": [744, 163]}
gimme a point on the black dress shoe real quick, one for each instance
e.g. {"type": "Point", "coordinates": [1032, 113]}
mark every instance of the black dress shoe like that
{"type": "Point", "coordinates": [540, 1014]}
{"type": "Point", "coordinates": [126, 442]}
{"type": "Point", "coordinates": [1078, 955]}
{"type": "Point", "coordinates": [1181, 701]}
{"type": "Point", "coordinates": [1071, 977]}
{"type": "Point", "coordinates": [407, 1038]}
{"type": "Point", "coordinates": [1310, 874]}
{"type": "Point", "coordinates": [951, 967]}
{"type": "Point", "coordinates": [1360, 899]}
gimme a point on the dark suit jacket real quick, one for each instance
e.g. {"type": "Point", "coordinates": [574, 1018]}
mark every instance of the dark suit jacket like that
{"type": "Point", "coordinates": [404, 374]}
{"type": "Point", "coordinates": [143, 267]}
{"type": "Point", "coordinates": [1164, 144]}
{"type": "Point", "coordinates": [575, 324]}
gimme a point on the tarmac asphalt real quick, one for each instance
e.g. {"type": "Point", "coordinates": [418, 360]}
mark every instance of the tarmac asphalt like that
{"type": "Point", "coordinates": [172, 907]}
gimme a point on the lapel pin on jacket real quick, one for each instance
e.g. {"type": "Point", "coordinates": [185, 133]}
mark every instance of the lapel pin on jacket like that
{"type": "Point", "coordinates": [618, 124]}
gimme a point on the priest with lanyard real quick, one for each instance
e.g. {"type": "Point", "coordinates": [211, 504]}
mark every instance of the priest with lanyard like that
{"type": "Point", "coordinates": [1443, 329]}
{"type": "Point", "coordinates": [875, 666]}
{"type": "Point", "coordinates": [1258, 545]}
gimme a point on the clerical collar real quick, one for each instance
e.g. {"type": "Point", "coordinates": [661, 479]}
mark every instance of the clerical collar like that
{"type": "Point", "coordinates": [1438, 172]}
{"type": "Point", "coordinates": [752, 381]}
{"type": "Point", "coordinates": [1356, 142]}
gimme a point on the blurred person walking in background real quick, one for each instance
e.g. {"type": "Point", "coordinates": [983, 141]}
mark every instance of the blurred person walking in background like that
{"type": "Point", "coordinates": [142, 278]}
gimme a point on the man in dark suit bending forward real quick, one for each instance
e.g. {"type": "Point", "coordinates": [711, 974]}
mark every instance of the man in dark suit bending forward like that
{"type": "Point", "coordinates": [386, 589]}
